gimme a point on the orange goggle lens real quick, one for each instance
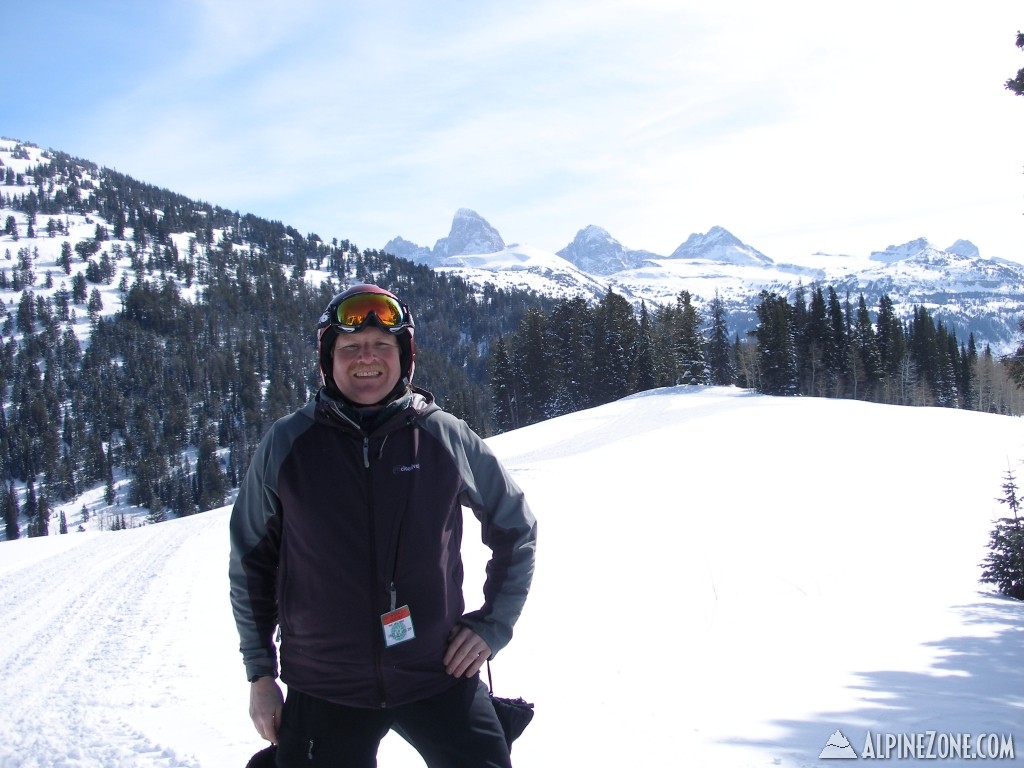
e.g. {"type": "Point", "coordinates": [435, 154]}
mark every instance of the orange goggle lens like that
{"type": "Point", "coordinates": [354, 312]}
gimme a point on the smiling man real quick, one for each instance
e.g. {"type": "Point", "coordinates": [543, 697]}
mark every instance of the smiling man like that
{"type": "Point", "coordinates": [346, 542]}
{"type": "Point", "coordinates": [366, 366]}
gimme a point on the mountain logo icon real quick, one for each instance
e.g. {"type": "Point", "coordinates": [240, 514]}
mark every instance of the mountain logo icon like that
{"type": "Point", "coordinates": [838, 748]}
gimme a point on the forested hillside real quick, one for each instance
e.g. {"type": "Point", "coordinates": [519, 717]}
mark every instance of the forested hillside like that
{"type": "Point", "coordinates": [148, 340]}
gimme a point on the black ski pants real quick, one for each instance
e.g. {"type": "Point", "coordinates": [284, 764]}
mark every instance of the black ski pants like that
{"type": "Point", "coordinates": [455, 729]}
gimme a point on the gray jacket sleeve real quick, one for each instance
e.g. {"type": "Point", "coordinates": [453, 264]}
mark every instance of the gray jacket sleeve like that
{"type": "Point", "coordinates": [255, 530]}
{"type": "Point", "coordinates": [509, 529]}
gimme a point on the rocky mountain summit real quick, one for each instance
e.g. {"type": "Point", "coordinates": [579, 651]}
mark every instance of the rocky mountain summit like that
{"type": "Point", "coordinates": [470, 234]}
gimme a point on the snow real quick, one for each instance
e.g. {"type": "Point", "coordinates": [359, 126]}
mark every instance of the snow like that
{"type": "Point", "coordinates": [724, 579]}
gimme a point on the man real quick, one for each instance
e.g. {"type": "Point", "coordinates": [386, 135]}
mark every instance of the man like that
{"type": "Point", "coordinates": [346, 535]}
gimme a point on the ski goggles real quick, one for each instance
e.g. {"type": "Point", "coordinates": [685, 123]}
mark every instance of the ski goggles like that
{"type": "Point", "coordinates": [353, 314]}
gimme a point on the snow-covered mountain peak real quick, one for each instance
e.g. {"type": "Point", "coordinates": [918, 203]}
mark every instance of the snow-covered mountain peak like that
{"type": "Point", "coordinates": [471, 233]}
{"type": "Point", "coordinates": [965, 248]}
{"type": "Point", "coordinates": [719, 245]}
{"type": "Point", "coordinates": [595, 251]}
{"type": "Point", "coordinates": [405, 249]}
{"type": "Point", "coordinates": [900, 252]}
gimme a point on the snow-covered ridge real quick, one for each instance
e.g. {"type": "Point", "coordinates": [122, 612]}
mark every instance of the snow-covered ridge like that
{"type": "Point", "coordinates": [968, 292]}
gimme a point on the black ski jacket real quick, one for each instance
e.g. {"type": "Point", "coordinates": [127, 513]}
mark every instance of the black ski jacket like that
{"type": "Point", "coordinates": [335, 525]}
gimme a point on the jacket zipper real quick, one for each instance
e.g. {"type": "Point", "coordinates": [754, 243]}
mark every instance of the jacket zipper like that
{"type": "Point", "coordinates": [378, 662]}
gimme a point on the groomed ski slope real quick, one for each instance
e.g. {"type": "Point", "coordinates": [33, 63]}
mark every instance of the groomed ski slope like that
{"type": "Point", "coordinates": [724, 579]}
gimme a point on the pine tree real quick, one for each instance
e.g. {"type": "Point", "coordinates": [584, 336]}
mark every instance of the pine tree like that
{"type": "Point", "coordinates": [504, 397]}
{"type": "Point", "coordinates": [776, 354]}
{"type": "Point", "coordinates": [865, 357]}
{"type": "Point", "coordinates": [837, 359]}
{"type": "Point", "coordinates": [615, 332]}
{"type": "Point", "coordinates": [643, 372]}
{"type": "Point", "coordinates": [889, 335]}
{"type": "Point", "coordinates": [969, 374]}
{"type": "Point", "coordinates": [721, 367]}
{"type": "Point", "coordinates": [9, 505]}
{"type": "Point", "coordinates": [1016, 84]}
{"type": "Point", "coordinates": [569, 332]}
{"type": "Point", "coordinates": [813, 336]}
{"type": "Point", "coordinates": [109, 496]}
{"type": "Point", "coordinates": [38, 514]}
{"type": "Point", "coordinates": [693, 367]}
{"type": "Point", "coordinates": [532, 359]}
{"type": "Point", "coordinates": [209, 475]}
{"type": "Point", "coordinates": [1004, 565]}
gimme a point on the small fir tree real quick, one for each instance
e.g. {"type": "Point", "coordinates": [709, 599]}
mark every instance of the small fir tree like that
{"type": "Point", "coordinates": [1016, 84]}
{"type": "Point", "coordinates": [1004, 564]}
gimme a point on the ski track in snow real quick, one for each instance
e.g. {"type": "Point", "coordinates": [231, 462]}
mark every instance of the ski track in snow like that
{"type": "Point", "coordinates": [79, 635]}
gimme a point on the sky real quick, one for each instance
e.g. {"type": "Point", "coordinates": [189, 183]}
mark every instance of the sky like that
{"type": "Point", "coordinates": [798, 126]}
{"type": "Point", "coordinates": [724, 579]}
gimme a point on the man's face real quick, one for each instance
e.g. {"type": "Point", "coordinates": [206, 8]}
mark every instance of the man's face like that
{"type": "Point", "coordinates": [366, 365]}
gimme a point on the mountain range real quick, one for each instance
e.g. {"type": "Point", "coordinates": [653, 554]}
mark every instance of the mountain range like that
{"type": "Point", "coordinates": [971, 294]}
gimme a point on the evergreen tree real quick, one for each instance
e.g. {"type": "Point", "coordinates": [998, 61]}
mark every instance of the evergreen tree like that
{"type": "Point", "coordinates": [1004, 564]}
{"type": "Point", "coordinates": [693, 343]}
{"type": "Point", "coordinates": [891, 350]}
{"type": "Point", "coordinates": [569, 332]}
{"type": "Point", "coordinates": [504, 388]}
{"type": "Point", "coordinates": [95, 305]}
{"type": "Point", "coordinates": [79, 288]}
{"type": "Point", "coordinates": [923, 346]}
{"type": "Point", "coordinates": [681, 343]}
{"type": "Point", "coordinates": [813, 338]}
{"type": "Point", "coordinates": [721, 368]}
{"type": "Point", "coordinates": [968, 384]}
{"type": "Point", "coordinates": [109, 496]}
{"type": "Point", "coordinates": [1015, 362]}
{"type": "Point", "coordinates": [776, 353]}
{"type": "Point", "coordinates": [644, 373]}
{"type": "Point", "coordinates": [1016, 84]}
{"type": "Point", "coordinates": [210, 475]}
{"type": "Point", "coordinates": [532, 360]}
{"type": "Point", "coordinates": [837, 351]}
{"type": "Point", "coordinates": [615, 332]}
{"type": "Point", "coordinates": [38, 514]}
{"type": "Point", "coordinates": [9, 505]}
{"type": "Point", "coordinates": [866, 361]}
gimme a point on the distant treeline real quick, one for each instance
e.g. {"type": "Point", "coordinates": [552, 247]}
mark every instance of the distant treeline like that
{"type": "Point", "coordinates": [814, 344]}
